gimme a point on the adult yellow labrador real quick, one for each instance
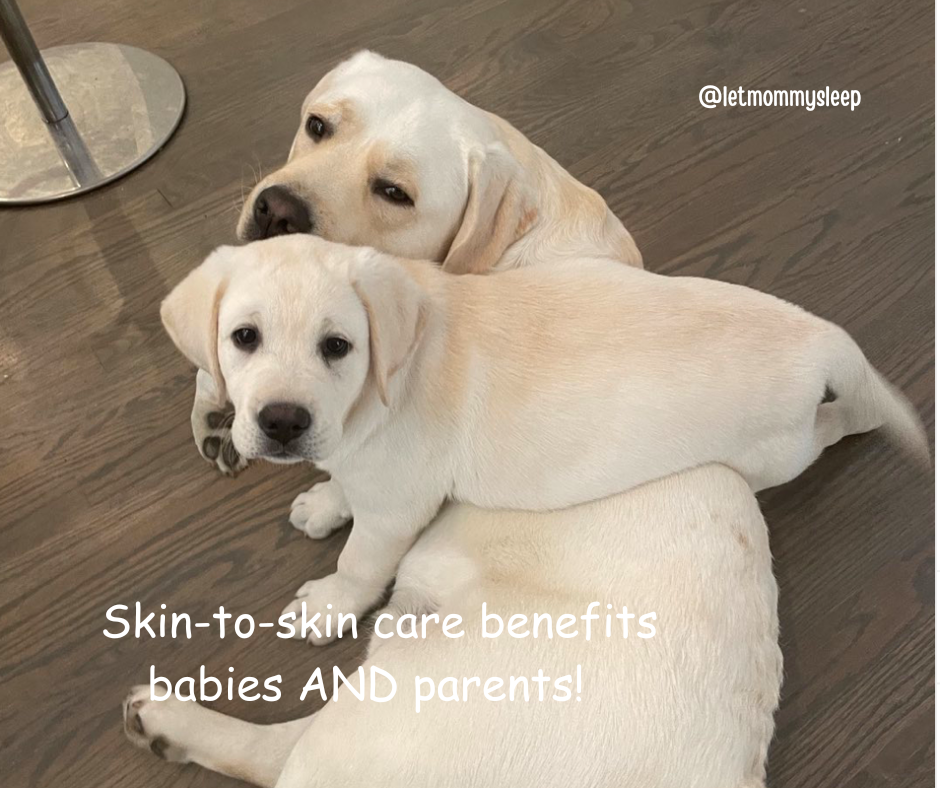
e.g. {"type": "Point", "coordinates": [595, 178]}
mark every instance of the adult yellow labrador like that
{"type": "Point", "coordinates": [691, 706]}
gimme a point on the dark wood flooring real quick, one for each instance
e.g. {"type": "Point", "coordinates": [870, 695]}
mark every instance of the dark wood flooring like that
{"type": "Point", "coordinates": [103, 498]}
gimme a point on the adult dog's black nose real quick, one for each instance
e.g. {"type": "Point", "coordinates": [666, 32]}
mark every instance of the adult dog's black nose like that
{"type": "Point", "coordinates": [283, 421]}
{"type": "Point", "coordinates": [278, 211]}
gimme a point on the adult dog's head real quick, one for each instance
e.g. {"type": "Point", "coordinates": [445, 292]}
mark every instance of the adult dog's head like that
{"type": "Point", "coordinates": [386, 156]}
{"type": "Point", "coordinates": [298, 333]}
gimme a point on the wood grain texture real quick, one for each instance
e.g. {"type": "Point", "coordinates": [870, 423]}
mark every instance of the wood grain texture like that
{"type": "Point", "coordinates": [103, 498]}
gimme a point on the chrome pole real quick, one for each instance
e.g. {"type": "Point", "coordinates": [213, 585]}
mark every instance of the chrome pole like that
{"type": "Point", "coordinates": [24, 53]}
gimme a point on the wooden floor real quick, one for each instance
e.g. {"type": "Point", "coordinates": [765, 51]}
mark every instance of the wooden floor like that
{"type": "Point", "coordinates": [104, 500]}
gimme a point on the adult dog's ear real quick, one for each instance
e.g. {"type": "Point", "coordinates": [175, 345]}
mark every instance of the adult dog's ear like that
{"type": "Point", "coordinates": [621, 242]}
{"type": "Point", "coordinates": [397, 309]}
{"type": "Point", "coordinates": [190, 313]}
{"type": "Point", "coordinates": [501, 206]}
{"type": "Point", "coordinates": [590, 211]}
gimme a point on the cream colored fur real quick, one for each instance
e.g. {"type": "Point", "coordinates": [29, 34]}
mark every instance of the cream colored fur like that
{"type": "Point", "coordinates": [535, 389]}
{"type": "Point", "coordinates": [692, 706]}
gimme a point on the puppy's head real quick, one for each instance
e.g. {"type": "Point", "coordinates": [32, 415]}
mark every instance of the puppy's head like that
{"type": "Point", "coordinates": [299, 334]}
{"type": "Point", "coordinates": [386, 156]}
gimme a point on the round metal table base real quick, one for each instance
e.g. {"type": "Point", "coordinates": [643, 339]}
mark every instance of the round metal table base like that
{"type": "Point", "coordinates": [124, 103]}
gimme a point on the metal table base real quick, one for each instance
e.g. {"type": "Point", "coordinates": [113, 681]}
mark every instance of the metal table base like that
{"type": "Point", "coordinates": [77, 117]}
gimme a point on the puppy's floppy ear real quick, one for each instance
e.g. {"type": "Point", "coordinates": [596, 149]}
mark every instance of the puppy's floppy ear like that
{"type": "Point", "coordinates": [190, 313]}
{"type": "Point", "coordinates": [501, 206]}
{"type": "Point", "coordinates": [397, 309]}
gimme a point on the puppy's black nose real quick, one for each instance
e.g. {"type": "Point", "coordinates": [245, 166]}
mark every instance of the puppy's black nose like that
{"type": "Point", "coordinates": [278, 211]}
{"type": "Point", "coordinates": [283, 421]}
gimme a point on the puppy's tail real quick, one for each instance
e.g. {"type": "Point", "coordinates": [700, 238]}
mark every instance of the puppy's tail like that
{"type": "Point", "coordinates": [866, 401]}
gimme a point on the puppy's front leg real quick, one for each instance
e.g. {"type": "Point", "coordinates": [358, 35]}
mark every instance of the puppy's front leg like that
{"type": "Point", "coordinates": [368, 563]}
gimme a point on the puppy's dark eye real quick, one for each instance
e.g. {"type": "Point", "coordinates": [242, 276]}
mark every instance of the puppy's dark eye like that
{"type": "Point", "coordinates": [317, 128]}
{"type": "Point", "coordinates": [334, 347]}
{"type": "Point", "coordinates": [246, 338]}
{"type": "Point", "coordinates": [392, 193]}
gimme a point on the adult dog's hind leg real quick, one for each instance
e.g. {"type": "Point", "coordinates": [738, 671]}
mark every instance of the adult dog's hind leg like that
{"type": "Point", "coordinates": [185, 732]}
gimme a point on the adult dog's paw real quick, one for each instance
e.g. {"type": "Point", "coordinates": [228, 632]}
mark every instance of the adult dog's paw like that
{"type": "Point", "coordinates": [157, 725]}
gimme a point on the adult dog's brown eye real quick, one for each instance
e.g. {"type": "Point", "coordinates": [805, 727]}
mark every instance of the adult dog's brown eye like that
{"type": "Point", "coordinates": [392, 193]}
{"type": "Point", "coordinates": [316, 127]}
{"type": "Point", "coordinates": [334, 347]}
{"type": "Point", "coordinates": [245, 338]}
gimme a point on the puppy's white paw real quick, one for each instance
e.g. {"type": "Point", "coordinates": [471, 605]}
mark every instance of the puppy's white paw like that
{"type": "Point", "coordinates": [319, 605]}
{"type": "Point", "coordinates": [212, 428]}
{"type": "Point", "coordinates": [158, 726]}
{"type": "Point", "coordinates": [317, 613]}
{"type": "Point", "coordinates": [294, 609]}
{"type": "Point", "coordinates": [320, 511]}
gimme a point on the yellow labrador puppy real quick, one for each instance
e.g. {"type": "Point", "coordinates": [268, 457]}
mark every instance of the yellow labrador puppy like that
{"type": "Point", "coordinates": [386, 156]}
{"type": "Point", "coordinates": [535, 389]}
